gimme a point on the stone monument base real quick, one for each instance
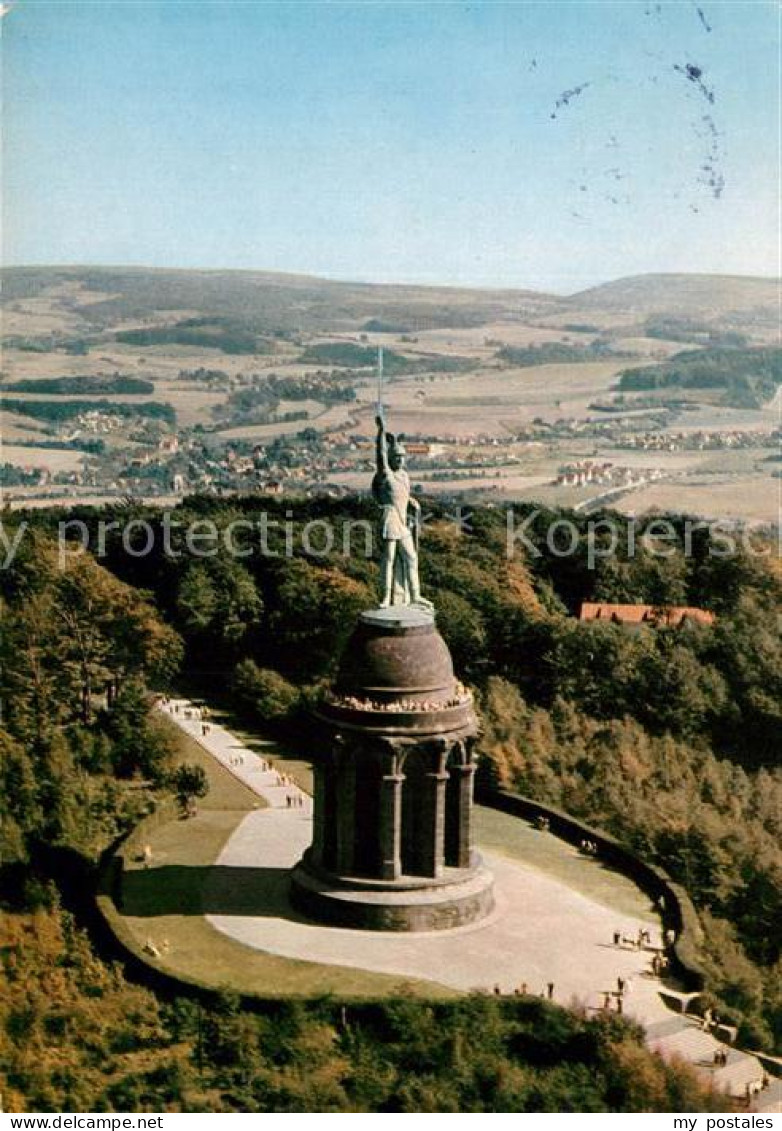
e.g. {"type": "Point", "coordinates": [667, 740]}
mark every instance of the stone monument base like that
{"type": "Point", "coordinates": [409, 903]}
{"type": "Point", "coordinates": [393, 786]}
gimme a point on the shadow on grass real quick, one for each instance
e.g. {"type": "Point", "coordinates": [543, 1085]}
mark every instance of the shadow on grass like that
{"type": "Point", "coordinates": [178, 889]}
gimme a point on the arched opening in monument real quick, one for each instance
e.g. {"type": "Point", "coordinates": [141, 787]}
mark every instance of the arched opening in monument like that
{"type": "Point", "coordinates": [458, 803]}
{"type": "Point", "coordinates": [415, 826]}
{"type": "Point", "coordinates": [452, 830]}
{"type": "Point", "coordinates": [366, 823]}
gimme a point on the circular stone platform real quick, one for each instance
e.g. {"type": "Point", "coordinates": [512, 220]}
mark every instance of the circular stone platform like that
{"type": "Point", "coordinates": [458, 897]}
{"type": "Point", "coordinates": [402, 616]}
{"type": "Point", "coordinates": [546, 927]}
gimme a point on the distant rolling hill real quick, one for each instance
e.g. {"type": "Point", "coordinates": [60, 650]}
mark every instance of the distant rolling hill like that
{"type": "Point", "coordinates": [683, 295]}
{"type": "Point", "coordinates": [267, 302]}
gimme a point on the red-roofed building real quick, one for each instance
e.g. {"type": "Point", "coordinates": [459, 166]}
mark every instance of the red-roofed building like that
{"type": "Point", "coordinates": [646, 616]}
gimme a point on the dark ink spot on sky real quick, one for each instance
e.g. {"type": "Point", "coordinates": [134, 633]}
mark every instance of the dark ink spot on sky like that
{"type": "Point", "coordinates": [702, 18]}
{"type": "Point", "coordinates": [695, 75]}
{"type": "Point", "coordinates": [567, 96]}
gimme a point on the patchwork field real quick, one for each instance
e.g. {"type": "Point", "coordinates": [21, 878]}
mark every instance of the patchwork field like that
{"type": "Point", "coordinates": [507, 387]}
{"type": "Point", "coordinates": [493, 401]}
{"type": "Point", "coordinates": [752, 498]}
{"type": "Point", "coordinates": [53, 459]}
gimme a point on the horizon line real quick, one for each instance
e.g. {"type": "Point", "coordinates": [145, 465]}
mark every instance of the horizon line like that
{"type": "Point", "coordinates": [363, 282]}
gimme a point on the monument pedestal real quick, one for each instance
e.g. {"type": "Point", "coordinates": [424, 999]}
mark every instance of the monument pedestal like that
{"type": "Point", "coordinates": [392, 846]}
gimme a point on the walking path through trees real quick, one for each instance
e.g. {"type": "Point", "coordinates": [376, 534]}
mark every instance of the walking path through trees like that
{"type": "Point", "coordinates": [551, 934]}
{"type": "Point", "coordinates": [277, 789]}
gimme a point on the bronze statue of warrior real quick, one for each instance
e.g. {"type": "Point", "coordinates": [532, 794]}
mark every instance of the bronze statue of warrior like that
{"type": "Point", "coordinates": [399, 523]}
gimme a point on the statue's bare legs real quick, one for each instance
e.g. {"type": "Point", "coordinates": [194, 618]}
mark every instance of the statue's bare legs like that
{"type": "Point", "coordinates": [406, 548]}
{"type": "Point", "coordinates": [387, 572]}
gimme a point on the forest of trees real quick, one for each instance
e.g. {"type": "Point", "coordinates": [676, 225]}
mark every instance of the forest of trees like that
{"type": "Point", "coordinates": [551, 353]}
{"type": "Point", "coordinates": [749, 377]}
{"type": "Point", "coordinates": [667, 739]}
{"type": "Point", "coordinates": [58, 411]}
{"type": "Point", "coordinates": [229, 335]}
{"type": "Point", "coordinates": [354, 356]}
{"type": "Point", "coordinates": [89, 384]}
{"type": "Point", "coordinates": [266, 396]}
{"type": "Point", "coordinates": [677, 329]}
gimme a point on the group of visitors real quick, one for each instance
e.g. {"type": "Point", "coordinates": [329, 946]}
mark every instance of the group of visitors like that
{"type": "Point", "coordinates": [191, 713]}
{"type": "Point", "coordinates": [660, 964]}
{"type": "Point", "coordinates": [522, 990]}
{"type": "Point", "coordinates": [612, 998]}
{"type": "Point", "coordinates": [642, 938]}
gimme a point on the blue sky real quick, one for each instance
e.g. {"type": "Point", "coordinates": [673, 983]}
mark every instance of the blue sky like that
{"type": "Point", "coordinates": [409, 142]}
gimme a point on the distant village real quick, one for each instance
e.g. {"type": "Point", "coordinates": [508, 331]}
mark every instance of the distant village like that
{"type": "Point", "coordinates": [141, 456]}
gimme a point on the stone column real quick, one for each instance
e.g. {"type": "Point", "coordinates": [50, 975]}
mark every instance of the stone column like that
{"type": "Point", "coordinates": [390, 831]}
{"type": "Point", "coordinates": [464, 780]}
{"type": "Point", "coordinates": [432, 855]}
{"type": "Point", "coordinates": [346, 813]}
{"type": "Point", "coordinates": [318, 813]}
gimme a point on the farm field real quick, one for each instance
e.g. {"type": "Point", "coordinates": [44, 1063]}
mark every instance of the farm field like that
{"type": "Point", "coordinates": [13, 426]}
{"type": "Point", "coordinates": [753, 498]}
{"type": "Point", "coordinates": [492, 402]}
{"type": "Point", "coordinates": [33, 498]}
{"type": "Point", "coordinates": [53, 459]}
{"type": "Point", "coordinates": [327, 418]}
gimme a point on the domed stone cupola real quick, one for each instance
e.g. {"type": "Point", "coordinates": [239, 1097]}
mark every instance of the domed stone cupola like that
{"type": "Point", "coordinates": [396, 652]}
{"type": "Point", "coordinates": [396, 677]}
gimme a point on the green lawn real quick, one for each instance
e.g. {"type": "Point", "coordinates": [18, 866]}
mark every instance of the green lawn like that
{"type": "Point", "coordinates": [506, 835]}
{"type": "Point", "coordinates": [169, 913]}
